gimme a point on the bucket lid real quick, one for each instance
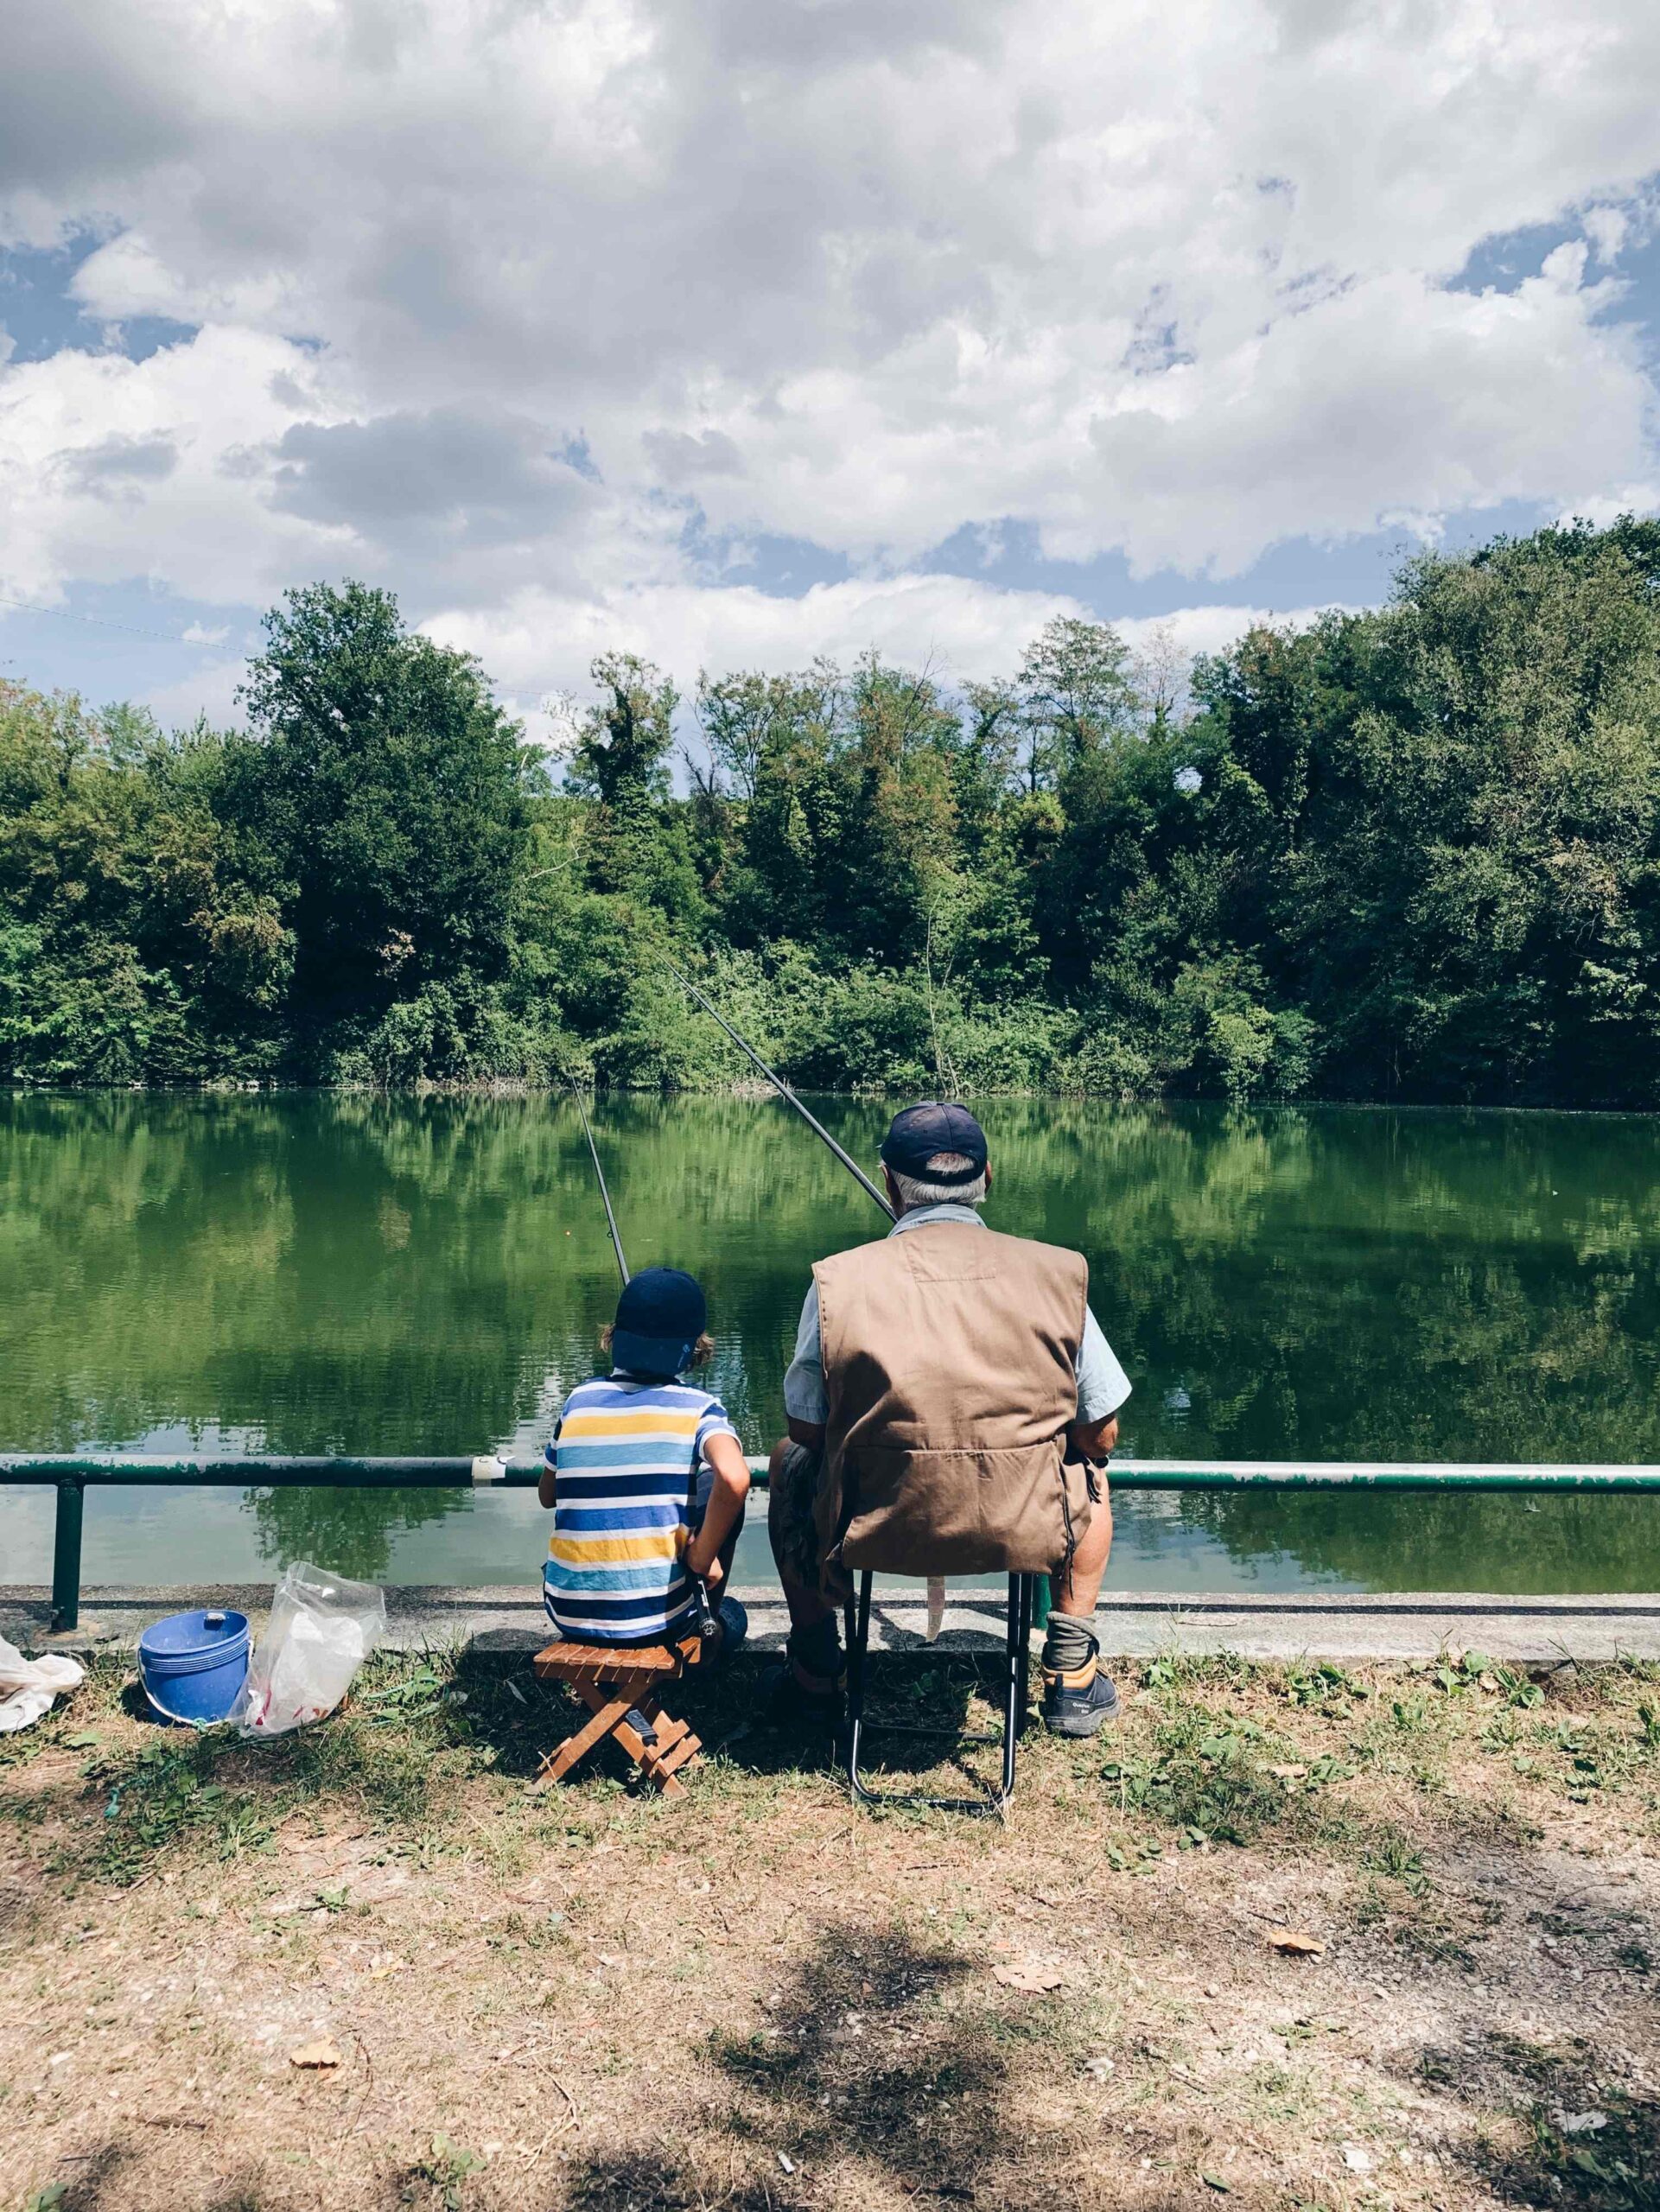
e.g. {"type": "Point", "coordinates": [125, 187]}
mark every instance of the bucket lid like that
{"type": "Point", "coordinates": [189, 1636]}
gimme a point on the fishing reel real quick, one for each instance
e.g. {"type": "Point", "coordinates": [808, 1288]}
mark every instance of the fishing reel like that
{"type": "Point", "coordinates": [709, 1622]}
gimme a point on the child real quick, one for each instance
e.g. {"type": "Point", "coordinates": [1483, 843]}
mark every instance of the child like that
{"type": "Point", "coordinates": [646, 1479]}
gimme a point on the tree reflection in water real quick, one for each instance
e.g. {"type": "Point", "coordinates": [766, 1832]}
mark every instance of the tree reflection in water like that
{"type": "Point", "coordinates": [407, 1274]}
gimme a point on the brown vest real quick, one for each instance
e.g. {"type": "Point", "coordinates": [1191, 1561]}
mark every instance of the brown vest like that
{"type": "Point", "coordinates": [950, 1369]}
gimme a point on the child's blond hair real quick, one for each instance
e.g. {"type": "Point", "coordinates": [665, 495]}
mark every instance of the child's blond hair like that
{"type": "Point", "coordinates": [702, 1352]}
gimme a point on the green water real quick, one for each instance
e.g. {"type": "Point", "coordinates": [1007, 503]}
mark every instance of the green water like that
{"type": "Point", "coordinates": [303, 1273]}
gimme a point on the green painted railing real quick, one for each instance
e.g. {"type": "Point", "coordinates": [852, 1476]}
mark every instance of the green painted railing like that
{"type": "Point", "coordinates": [71, 1476]}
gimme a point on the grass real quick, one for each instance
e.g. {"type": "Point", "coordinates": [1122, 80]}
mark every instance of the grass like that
{"type": "Point", "coordinates": [758, 1996]}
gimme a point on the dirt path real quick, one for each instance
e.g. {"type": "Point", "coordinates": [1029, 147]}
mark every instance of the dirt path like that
{"type": "Point", "coordinates": [757, 1998]}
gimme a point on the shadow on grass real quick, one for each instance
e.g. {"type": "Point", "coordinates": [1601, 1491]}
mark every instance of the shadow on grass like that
{"type": "Point", "coordinates": [1587, 2148]}
{"type": "Point", "coordinates": [520, 1720]}
{"type": "Point", "coordinates": [81, 2182]}
{"type": "Point", "coordinates": [881, 2052]}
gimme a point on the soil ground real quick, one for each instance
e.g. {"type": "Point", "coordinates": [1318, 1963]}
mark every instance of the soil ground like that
{"type": "Point", "coordinates": [756, 1996]}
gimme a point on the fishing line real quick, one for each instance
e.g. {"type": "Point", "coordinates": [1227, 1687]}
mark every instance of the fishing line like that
{"type": "Point", "coordinates": [103, 622]}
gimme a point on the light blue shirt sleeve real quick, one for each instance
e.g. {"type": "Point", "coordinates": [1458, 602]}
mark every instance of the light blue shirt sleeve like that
{"type": "Point", "coordinates": [1103, 1385]}
{"type": "Point", "coordinates": [804, 1381]}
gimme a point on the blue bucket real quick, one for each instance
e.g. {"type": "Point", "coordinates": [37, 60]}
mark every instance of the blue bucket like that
{"type": "Point", "coordinates": [193, 1664]}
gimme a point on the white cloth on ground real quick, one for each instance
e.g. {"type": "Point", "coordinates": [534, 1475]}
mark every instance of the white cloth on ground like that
{"type": "Point", "coordinates": [27, 1687]}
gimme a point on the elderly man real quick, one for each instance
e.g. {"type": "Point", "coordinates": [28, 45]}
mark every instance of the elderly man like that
{"type": "Point", "coordinates": [952, 1404]}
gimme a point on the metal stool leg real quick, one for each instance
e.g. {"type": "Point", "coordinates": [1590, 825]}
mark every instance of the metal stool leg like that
{"type": "Point", "coordinates": [1013, 1673]}
{"type": "Point", "coordinates": [1028, 1601]}
{"type": "Point", "coordinates": [1016, 1638]}
{"type": "Point", "coordinates": [857, 1621]}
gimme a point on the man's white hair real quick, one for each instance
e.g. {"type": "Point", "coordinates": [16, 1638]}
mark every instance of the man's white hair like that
{"type": "Point", "coordinates": [917, 1191]}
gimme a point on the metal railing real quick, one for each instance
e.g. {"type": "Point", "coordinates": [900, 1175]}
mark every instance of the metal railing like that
{"type": "Point", "coordinates": [71, 1476]}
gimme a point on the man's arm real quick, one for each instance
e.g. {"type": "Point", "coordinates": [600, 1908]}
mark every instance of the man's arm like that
{"type": "Point", "coordinates": [804, 1403]}
{"type": "Point", "coordinates": [725, 1502]}
{"type": "Point", "coordinates": [1103, 1386]}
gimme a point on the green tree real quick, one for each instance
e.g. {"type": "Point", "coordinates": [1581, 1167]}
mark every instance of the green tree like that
{"type": "Point", "coordinates": [1077, 695]}
{"type": "Point", "coordinates": [394, 793]}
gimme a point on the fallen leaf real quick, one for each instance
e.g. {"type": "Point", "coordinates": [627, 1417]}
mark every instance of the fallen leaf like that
{"type": "Point", "coordinates": [1584, 2123]}
{"type": "Point", "coordinates": [1216, 2181]}
{"type": "Point", "coordinates": [1027, 1974]}
{"type": "Point", "coordinates": [323, 2052]}
{"type": "Point", "coordinates": [83, 1743]}
{"type": "Point", "coordinates": [1295, 1944]}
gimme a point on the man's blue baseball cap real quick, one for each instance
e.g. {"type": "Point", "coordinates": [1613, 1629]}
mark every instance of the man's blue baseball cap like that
{"type": "Point", "coordinates": [660, 1316]}
{"type": "Point", "coordinates": [918, 1134]}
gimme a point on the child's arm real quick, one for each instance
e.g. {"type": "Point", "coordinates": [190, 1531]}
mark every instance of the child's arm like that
{"type": "Point", "coordinates": [725, 1502]}
{"type": "Point", "coordinates": [545, 1488]}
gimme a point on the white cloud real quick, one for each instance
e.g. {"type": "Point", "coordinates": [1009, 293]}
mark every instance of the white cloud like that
{"type": "Point", "coordinates": [210, 691]}
{"type": "Point", "coordinates": [960, 628]}
{"type": "Point", "coordinates": [494, 296]}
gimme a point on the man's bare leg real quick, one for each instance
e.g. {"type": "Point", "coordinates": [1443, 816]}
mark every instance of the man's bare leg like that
{"type": "Point", "coordinates": [1078, 1697]}
{"type": "Point", "coordinates": [1078, 1590]}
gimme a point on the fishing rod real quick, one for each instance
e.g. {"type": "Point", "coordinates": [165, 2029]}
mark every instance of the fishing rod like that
{"type": "Point", "coordinates": [783, 1089]}
{"type": "Point", "coordinates": [604, 1195]}
{"type": "Point", "coordinates": [708, 1624]}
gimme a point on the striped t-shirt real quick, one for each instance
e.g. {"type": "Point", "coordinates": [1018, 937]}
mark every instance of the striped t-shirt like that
{"type": "Point", "coordinates": [624, 1456]}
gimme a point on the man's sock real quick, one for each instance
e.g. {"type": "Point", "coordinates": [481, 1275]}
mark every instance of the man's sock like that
{"type": "Point", "coordinates": [1070, 1642]}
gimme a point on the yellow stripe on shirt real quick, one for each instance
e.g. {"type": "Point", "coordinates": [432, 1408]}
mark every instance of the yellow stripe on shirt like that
{"type": "Point", "coordinates": [599, 1425]}
{"type": "Point", "coordinates": [594, 1551]}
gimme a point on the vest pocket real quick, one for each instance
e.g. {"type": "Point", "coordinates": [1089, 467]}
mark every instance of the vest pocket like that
{"type": "Point", "coordinates": [1014, 1512]}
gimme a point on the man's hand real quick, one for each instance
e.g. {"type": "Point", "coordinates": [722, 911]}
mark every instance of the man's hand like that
{"type": "Point", "coordinates": [1094, 1439]}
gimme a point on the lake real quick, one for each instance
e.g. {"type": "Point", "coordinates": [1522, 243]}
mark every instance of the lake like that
{"type": "Point", "coordinates": [297, 1273]}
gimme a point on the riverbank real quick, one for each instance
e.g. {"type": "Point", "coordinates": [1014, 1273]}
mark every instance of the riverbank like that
{"type": "Point", "coordinates": [1287, 1625]}
{"type": "Point", "coordinates": [365, 1967]}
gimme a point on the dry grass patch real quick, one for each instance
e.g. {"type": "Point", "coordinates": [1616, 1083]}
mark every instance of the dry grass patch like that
{"type": "Point", "coordinates": [758, 1997]}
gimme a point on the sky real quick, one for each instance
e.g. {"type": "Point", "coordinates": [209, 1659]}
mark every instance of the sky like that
{"type": "Point", "coordinates": [743, 332]}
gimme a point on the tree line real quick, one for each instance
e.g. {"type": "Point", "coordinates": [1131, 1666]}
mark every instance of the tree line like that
{"type": "Point", "coordinates": [1411, 853]}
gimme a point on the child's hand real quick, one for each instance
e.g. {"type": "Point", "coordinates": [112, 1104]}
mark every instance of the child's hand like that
{"type": "Point", "coordinates": [711, 1576]}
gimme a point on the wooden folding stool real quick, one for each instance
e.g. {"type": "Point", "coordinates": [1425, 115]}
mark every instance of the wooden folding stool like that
{"type": "Point", "coordinates": [610, 1680]}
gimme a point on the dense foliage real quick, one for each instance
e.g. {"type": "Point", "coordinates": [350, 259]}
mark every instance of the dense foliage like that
{"type": "Point", "coordinates": [1410, 852]}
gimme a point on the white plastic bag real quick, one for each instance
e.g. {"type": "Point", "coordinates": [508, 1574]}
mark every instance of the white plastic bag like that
{"type": "Point", "coordinates": [29, 1686]}
{"type": "Point", "coordinates": [321, 1630]}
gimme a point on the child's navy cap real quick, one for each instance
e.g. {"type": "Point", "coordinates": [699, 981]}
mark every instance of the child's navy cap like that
{"type": "Point", "coordinates": [660, 1316]}
{"type": "Point", "coordinates": [921, 1133]}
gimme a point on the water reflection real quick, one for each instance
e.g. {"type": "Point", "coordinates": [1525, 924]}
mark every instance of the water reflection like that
{"type": "Point", "coordinates": [385, 1276]}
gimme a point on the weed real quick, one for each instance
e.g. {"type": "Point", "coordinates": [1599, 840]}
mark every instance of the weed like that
{"type": "Point", "coordinates": [1393, 1855]}
{"type": "Point", "coordinates": [446, 2168]}
{"type": "Point", "coordinates": [1206, 1777]}
{"type": "Point", "coordinates": [166, 1793]}
{"type": "Point", "coordinates": [1321, 1685]}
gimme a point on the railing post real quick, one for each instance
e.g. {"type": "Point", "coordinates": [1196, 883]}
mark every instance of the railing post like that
{"type": "Point", "coordinates": [66, 1559]}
